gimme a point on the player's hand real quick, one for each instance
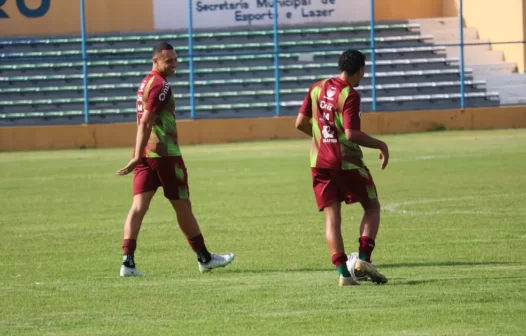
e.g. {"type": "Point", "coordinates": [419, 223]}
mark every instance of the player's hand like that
{"type": "Point", "coordinates": [129, 167]}
{"type": "Point", "coordinates": [384, 156]}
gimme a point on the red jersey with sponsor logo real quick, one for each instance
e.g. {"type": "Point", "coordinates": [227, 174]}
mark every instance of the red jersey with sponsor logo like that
{"type": "Point", "coordinates": [155, 95]}
{"type": "Point", "coordinates": [334, 106]}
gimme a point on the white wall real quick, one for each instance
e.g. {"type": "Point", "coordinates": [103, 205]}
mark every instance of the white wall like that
{"type": "Point", "coordinates": [173, 14]}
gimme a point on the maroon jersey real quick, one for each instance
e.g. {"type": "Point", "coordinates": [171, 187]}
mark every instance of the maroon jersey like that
{"type": "Point", "coordinates": [155, 95]}
{"type": "Point", "coordinates": [334, 106]}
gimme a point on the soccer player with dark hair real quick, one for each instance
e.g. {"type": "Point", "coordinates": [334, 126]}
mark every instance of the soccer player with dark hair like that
{"type": "Point", "coordinates": [157, 162]}
{"type": "Point", "coordinates": [338, 171]}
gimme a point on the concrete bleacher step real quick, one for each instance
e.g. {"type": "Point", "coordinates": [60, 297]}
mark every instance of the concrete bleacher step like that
{"type": "Point", "coordinates": [490, 57]}
{"type": "Point", "coordinates": [471, 46]}
{"type": "Point", "coordinates": [512, 95]}
{"type": "Point", "coordinates": [476, 54]}
{"type": "Point", "coordinates": [453, 35]}
{"type": "Point", "coordinates": [515, 79]}
{"type": "Point", "coordinates": [436, 24]}
{"type": "Point", "coordinates": [512, 87]}
{"type": "Point", "coordinates": [495, 69]}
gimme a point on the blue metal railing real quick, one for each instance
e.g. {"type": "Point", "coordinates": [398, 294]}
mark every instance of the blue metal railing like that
{"type": "Point", "coordinates": [191, 58]}
{"type": "Point", "coordinates": [373, 57]}
{"type": "Point", "coordinates": [276, 60]}
{"type": "Point", "coordinates": [461, 30]}
{"type": "Point", "coordinates": [84, 61]}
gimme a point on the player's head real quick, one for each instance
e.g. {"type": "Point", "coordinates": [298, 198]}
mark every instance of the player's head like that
{"type": "Point", "coordinates": [352, 65]}
{"type": "Point", "coordinates": [164, 59]}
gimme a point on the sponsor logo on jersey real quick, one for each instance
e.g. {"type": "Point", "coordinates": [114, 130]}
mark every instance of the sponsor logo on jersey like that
{"type": "Point", "coordinates": [164, 92]}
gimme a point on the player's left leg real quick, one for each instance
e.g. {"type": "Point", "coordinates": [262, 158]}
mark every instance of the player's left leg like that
{"type": "Point", "coordinates": [174, 179]}
{"type": "Point", "coordinates": [190, 228]}
{"type": "Point", "coordinates": [145, 184]}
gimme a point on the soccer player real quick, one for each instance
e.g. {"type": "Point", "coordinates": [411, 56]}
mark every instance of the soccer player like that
{"type": "Point", "coordinates": [338, 171]}
{"type": "Point", "coordinates": [157, 162]}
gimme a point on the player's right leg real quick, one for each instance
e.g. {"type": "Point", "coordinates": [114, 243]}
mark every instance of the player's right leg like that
{"type": "Point", "coordinates": [145, 183]}
{"type": "Point", "coordinates": [132, 226]}
{"type": "Point", "coordinates": [358, 186]}
{"type": "Point", "coordinates": [328, 200]}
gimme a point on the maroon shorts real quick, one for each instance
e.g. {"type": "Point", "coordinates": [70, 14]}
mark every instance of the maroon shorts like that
{"type": "Point", "coordinates": [335, 186]}
{"type": "Point", "coordinates": [167, 172]}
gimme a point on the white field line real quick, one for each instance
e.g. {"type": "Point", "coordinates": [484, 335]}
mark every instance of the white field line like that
{"type": "Point", "coordinates": [395, 207]}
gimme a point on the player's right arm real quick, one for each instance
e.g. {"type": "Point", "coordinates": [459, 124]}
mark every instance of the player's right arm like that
{"type": "Point", "coordinates": [303, 120]}
{"type": "Point", "coordinates": [144, 128]}
{"type": "Point", "coordinates": [353, 132]}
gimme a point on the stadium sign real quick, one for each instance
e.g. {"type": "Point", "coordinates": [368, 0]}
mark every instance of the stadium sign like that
{"type": "Point", "coordinates": [246, 13]}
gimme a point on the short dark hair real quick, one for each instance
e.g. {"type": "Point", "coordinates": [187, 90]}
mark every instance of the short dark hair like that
{"type": "Point", "coordinates": [162, 46]}
{"type": "Point", "coordinates": [351, 61]}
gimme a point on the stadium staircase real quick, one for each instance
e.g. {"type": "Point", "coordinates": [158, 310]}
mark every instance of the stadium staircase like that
{"type": "Point", "coordinates": [486, 64]}
{"type": "Point", "coordinates": [41, 79]}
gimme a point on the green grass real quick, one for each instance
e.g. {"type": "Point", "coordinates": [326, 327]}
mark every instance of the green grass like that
{"type": "Point", "coordinates": [452, 243]}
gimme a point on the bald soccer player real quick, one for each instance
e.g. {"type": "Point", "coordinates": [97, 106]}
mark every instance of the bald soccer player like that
{"type": "Point", "coordinates": [158, 162]}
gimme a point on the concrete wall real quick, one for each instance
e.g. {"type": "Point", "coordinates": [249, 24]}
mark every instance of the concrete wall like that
{"type": "Point", "coordinates": [213, 131]}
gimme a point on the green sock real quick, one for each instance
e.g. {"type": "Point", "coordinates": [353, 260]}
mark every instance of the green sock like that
{"type": "Point", "coordinates": [343, 271]}
{"type": "Point", "coordinates": [362, 256]}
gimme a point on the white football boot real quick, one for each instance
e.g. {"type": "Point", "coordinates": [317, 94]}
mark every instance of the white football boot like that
{"type": "Point", "coordinates": [361, 270]}
{"type": "Point", "coordinates": [356, 275]}
{"type": "Point", "coordinates": [216, 261]}
{"type": "Point", "coordinates": [129, 271]}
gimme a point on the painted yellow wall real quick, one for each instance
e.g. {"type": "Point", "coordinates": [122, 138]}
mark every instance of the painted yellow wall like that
{"type": "Point", "coordinates": [212, 131]}
{"type": "Point", "coordinates": [501, 21]}
{"type": "Point", "coordinates": [407, 9]}
{"type": "Point", "coordinates": [63, 17]}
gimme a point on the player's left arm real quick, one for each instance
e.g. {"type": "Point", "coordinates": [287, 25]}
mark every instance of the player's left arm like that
{"type": "Point", "coordinates": [303, 120]}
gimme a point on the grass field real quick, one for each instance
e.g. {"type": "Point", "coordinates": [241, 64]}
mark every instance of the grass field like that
{"type": "Point", "coordinates": [452, 243]}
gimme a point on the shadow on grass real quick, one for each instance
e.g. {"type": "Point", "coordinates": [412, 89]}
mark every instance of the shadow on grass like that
{"type": "Point", "coordinates": [283, 270]}
{"type": "Point", "coordinates": [444, 264]}
{"type": "Point", "coordinates": [408, 282]}
{"type": "Point", "coordinates": [380, 267]}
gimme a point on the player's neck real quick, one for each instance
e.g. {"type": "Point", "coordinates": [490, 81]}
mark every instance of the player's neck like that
{"type": "Point", "coordinates": [160, 73]}
{"type": "Point", "coordinates": [351, 80]}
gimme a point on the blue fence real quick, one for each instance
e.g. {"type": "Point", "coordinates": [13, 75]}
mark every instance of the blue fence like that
{"type": "Point", "coordinates": [92, 106]}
